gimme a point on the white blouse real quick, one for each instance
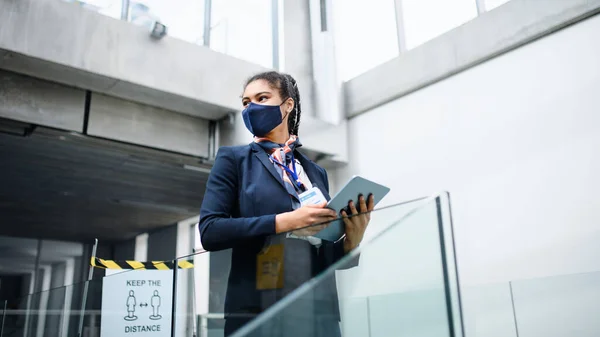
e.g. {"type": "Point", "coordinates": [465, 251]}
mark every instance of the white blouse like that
{"type": "Point", "coordinates": [306, 181]}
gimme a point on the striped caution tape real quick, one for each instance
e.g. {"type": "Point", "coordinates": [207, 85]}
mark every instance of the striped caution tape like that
{"type": "Point", "coordinates": [138, 265]}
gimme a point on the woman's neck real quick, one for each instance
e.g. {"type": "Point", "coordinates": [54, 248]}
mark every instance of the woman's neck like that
{"type": "Point", "coordinates": [278, 136]}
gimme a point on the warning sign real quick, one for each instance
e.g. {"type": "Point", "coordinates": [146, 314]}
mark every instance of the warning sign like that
{"type": "Point", "coordinates": [137, 303]}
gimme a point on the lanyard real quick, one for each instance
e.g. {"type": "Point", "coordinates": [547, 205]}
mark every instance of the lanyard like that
{"type": "Point", "coordinates": [293, 173]}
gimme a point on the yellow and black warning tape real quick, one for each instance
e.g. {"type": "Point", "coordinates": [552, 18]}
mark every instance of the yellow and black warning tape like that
{"type": "Point", "coordinates": [138, 265]}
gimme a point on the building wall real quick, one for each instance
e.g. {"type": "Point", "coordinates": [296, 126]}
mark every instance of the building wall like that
{"type": "Point", "coordinates": [514, 140]}
{"type": "Point", "coordinates": [53, 40]}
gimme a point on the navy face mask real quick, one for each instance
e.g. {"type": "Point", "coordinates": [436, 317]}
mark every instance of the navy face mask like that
{"type": "Point", "coordinates": [261, 119]}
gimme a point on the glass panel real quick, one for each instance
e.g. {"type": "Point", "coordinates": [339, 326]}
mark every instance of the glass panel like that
{"type": "Point", "coordinates": [184, 18]}
{"type": "Point", "coordinates": [365, 35]}
{"type": "Point", "coordinates": [449, 257]}
{"type": "Point", "coordinates": [38, 315]}
{"type": "Point", "coordinates": [425, 20]}
{"type": "Point", "coordinates": [110, 8]}
{"type": "Point", "coordinates": [399, 285]}
{"type": "Point", "coordinates": [488, 310]}
{"type": "Point", "coordinates": [186, 313]}
{"type": "Point", "coordinates": [18, 259]}
{"type": "Point", "coordinates": [3, 307]}
{"type": "Point", "coordinates": [558, 306]}
{"type": "Point", "coordinates": [491, 4]}
{"type": "Point", "coordinates": [243, 29]}
{"type": "Point", "coordinates": [17, 265]}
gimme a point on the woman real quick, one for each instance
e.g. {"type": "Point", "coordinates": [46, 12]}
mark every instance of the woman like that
{"type": "Point", "coordinates": [252, 205]}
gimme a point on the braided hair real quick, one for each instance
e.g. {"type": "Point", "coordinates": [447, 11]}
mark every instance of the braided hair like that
{"type": "Point", "coordinates": [288, 88]}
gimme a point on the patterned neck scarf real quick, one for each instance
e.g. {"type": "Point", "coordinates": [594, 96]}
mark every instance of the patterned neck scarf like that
{"type": "Point", "coordinates": [283, 153]}
{"type": "Point", "coordinates": [279, 152]}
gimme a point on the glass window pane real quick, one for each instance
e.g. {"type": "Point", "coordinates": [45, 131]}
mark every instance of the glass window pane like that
{"type": "Point", "coordinates": [425, 20]}
{"type": "Point", "coordinates": [243, 29]}
{"type": "Point", "coordinates": [110, 8]}
{"type": "Point", "coordinates": [184, 18]}
{"type": "Point", "coordinates": [564, 305]}
{"type": "Point", "coordinates": [365, 35]}
{"type": "Point", "coordinates": [491, 4]}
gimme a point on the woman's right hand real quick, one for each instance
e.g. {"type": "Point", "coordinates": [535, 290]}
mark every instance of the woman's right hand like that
{"type": "Point", "coordinates": [303, 217]}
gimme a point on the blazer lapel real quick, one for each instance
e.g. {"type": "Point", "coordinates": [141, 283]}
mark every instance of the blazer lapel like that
{"type": "Point", "coordinates": [264, 159]}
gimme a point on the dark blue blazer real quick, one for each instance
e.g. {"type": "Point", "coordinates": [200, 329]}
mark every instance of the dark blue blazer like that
{"type": "Point", "coordinates": [243, 195]}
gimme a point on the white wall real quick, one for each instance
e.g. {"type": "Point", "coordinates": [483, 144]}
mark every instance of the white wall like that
{"type": "Point", "coordinates": [515, 141]}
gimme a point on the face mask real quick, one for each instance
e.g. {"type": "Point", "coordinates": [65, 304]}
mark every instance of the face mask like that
{"type": "Point", "coordinates": [261, 119]}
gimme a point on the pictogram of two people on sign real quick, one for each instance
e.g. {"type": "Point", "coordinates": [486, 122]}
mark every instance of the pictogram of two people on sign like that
{"type": "Point", "coordinates": [132, 304]}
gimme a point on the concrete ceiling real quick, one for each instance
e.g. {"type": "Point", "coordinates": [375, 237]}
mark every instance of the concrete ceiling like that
{"type": "Point", "coordinates": [59, 185]}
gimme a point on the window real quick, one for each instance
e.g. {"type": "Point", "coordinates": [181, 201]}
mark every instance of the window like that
{"type": "Point", "coordinates": [110, 8]}
{"type": "Point", "coordinates": [424, 20]}
{"type": "Point", "coordinates": [184, 18]}
{"type": "Point", "coordinates": [243, 29]}
{"type": "Point", "coordinates": [491, 4]}
{"type": "Point", "coordinates": [365, 35]}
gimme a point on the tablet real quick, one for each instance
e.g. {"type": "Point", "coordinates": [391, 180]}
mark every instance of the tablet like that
{"type": "Point", "coordinates": [357, 185]}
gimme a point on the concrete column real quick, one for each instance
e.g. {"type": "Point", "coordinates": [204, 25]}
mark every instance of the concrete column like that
{"type": "Point", "coordinates": [325, 133]}
{"type": "Point", "coordinates": [51, 312]}
{"type": "Point", "coordinates": [68, 282]}
{"type": "Point", "coordinates": [328, 88]}
{"type": "Point", "coordinates": [480, 6]}
{"type": "Point", "coordinates": [400, 25]}
{"type": "Point", "coordinates": [32, 284]}
{"type": "Point", "coordinates": [141, 247]}
{"type": "Point", "coordinates": [40, 310]}
{"type": "Point", "coordinates": [308, 54]}
{"type": "Point", "coordinates": [185, 284]}
{"type": "Point", "coordinates": [295, 44]}
{"type": "Point", "coordinates": [201, 282]}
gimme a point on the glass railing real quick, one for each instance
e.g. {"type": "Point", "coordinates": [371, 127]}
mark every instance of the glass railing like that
{"type": "Point", "coordinates": [400, 267]}
{"type": "Point", "coordinates": [566, 305]}
{"type": "Point", "coordinates": [54, 312]}
{"type": "Point", "coordinates": [212, 322]}
{"type": "Point", "coordinates": [556, 306]}
{"type": "Point", "coordinates": [400, 281]}
{"type": "Point", "coordinates": [122, 303]}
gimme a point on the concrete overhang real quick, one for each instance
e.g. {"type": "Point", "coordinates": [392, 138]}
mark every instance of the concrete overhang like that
{"type": "Point", "coordinates": [65, 43]}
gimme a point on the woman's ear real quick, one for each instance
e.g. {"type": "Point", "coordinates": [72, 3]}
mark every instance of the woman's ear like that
{"type": "Point", "coordinates": [289, 105]}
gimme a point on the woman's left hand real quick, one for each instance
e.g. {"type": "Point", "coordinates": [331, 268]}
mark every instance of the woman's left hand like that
{"type": "Point", "coordinates": [357, 222]}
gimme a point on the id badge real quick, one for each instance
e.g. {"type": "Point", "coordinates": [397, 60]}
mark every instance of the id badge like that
{"type": "Point", "coordinates": [269, 268]}
{"type": "Point", "coordinates": [313, 196]}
